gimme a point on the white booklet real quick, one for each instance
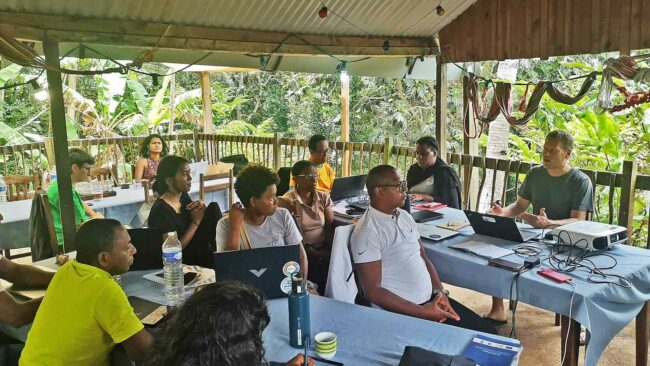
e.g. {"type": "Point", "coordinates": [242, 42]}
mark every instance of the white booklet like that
{"type": "Point", "coordinates": [481, 249]}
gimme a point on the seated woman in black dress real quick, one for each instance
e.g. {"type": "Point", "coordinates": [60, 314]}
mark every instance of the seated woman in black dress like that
{"type": "Point", "coordinates": [431, 179]}
{"type": "Point", "coordinates": [174, 210]}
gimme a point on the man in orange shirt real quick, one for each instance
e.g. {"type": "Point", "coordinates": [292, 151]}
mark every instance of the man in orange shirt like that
{"type": "Point", "coordinates": [318, 149]}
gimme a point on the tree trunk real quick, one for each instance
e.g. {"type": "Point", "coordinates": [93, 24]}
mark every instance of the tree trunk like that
{"type": "Point", "coordinates": [498, 137]}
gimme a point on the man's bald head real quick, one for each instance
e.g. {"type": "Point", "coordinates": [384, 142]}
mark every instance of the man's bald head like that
{"type": "Point", "coordinates": [380, 175]}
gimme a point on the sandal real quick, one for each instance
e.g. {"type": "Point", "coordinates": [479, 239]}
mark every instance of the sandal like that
{"type": "Point", "coordinates": [494, 321]}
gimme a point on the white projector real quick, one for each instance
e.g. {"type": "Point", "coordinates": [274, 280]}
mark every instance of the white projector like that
{"type": "Point", "coordinates": [589, 235]}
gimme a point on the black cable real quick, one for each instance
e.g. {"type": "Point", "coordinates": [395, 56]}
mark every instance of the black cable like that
{"type": "Point", "coordinates": [515, 281]}
{"type": "Point", "coordinates": [566, 257]}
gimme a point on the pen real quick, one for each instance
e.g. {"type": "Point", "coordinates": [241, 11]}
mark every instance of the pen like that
{"type": "Point", "coordinates": [327, 361]}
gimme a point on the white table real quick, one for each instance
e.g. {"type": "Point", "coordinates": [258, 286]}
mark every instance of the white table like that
{"type": "Point", "coordinates": [14, 229]}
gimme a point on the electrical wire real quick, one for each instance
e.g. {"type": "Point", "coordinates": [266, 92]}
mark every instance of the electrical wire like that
{"type": "Point", "coordinates": [568, 331]}
{"type": "Point", "coordinates": [566, 257]}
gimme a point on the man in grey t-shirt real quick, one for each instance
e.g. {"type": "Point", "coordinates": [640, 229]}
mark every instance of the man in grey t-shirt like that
{"type": "Point", "coordinates": [559, 193]}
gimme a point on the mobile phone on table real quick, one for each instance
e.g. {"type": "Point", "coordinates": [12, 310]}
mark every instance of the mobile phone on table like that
{"type": "Point", "coordinates": [187, 277]}
{"type": "Point", "coordinates": [505, 264]}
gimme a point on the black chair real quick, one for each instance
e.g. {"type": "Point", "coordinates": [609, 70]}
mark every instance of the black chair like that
{"type": "Point", "coordinates": [285, 176]}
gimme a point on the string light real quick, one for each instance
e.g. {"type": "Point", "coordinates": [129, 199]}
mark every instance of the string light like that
{"type": "Point", "coordinates": [323, 12]}
{"type": "Point", "coordinates": [440, 10]}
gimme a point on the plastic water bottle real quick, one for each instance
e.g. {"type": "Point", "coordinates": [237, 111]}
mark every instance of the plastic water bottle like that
{"type": "Point", "coordinates": [299, 318]}
{"type": "Point", "coordinates": [172, 255]}
{"type": "Point", "coordinates": [3, 191]}
{"type": "Point", "coordinates": [53, 174]}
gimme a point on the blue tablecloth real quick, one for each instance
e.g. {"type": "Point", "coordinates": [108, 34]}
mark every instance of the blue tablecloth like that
{"type": "Point", "coordinates": [366, 336]}
{"type": "Point", "coordinates": [603, 309]}
{"type": "Point", "coordinates": [14, 229]}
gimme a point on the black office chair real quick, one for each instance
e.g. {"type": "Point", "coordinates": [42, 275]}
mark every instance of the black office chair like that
{"type": "Point", "coordinates": [285, 176]}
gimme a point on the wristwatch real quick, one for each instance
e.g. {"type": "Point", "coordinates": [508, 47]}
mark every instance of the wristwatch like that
{"type": "Point", "coordinates": [440, 291]}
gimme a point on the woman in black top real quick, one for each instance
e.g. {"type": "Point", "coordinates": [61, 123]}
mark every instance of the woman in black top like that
{"type": "Point", "coordinates": [431, 179]}
{"type": "Point", "coordinates": [174, 210]}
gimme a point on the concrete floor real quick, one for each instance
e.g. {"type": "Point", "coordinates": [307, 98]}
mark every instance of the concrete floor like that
{"type": "Point", "coordinates": [541, 339]}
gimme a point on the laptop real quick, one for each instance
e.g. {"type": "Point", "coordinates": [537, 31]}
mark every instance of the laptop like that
{"type": "Point", "coordinates": [197, 169]}
{"type": "Point", "coordinates": [148, 243]}
{"type": "Point", "coordinates": [498, 227]}
{"type": "Point", "coordinates": [268, 269]}
{"type": "Point", "coordinates": [346, 187]}
{"type": "Point", "coordinates": [426, 216]}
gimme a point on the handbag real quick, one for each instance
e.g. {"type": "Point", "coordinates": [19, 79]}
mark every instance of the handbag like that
{"type": "Point", "coordinates": [240, 161]}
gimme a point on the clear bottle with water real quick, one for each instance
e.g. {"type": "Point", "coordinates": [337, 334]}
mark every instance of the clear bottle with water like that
{"type": "Point", "coordinates": [172, 252]}
{"type": "Point", "coordinates": [3, 191]}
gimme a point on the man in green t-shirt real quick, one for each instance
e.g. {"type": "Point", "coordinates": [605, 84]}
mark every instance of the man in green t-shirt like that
{"type": "Point", "coordinates": [85, 313]}
{"type": "Point", "coordinates": [80, 164]}
{"type": "Point", "coordinates": [559, 194]}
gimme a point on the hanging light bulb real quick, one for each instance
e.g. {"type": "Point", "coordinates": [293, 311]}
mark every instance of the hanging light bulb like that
{"type": "Point", "coordinates": [440, 10]}
{"type": "Point", "coordinates": [154, 80]}
{"type": "Point", "coordinates": [386, 46]}
{"type": "Point", "coordinates": [40, 92]}
{"type": "Point", "coordinates": [342, 68]}
{"type": "Point", "coordinates": [263, 61]}
{"type": "Point", "coordinates": [323, 12]}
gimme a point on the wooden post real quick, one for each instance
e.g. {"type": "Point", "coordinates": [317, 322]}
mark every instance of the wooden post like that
{"type": "Point", "coordinates": [345, 123]}
{"type": "Point", "coordinates": [470, 145]}
{"type": "Point", "coordinates": [276, 151]}
{"type": "Point", "coordinates": [197, 146]}
{"type": "Point", "coordinates": [60, 137]}
{"type": "Point", "coordinates": [49, 151]}
{"type": "Point", "coordinates": [388, 150]}
{"type": "Point", "coordinates": [441, 106]}
{"type": "Point", "coordinates": [172, 102]}
{"type": "Point", "coordinates": [206, 96]}
{"type": "Point", "coordinates": [628, 182]}
{"type": "Point", "coordinates": [642, 335]}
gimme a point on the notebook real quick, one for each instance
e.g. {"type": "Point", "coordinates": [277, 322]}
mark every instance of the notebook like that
{"type": "Point", "coordinates": [481, 249]}
{"type": "Point", "coordinates": [491, 351]}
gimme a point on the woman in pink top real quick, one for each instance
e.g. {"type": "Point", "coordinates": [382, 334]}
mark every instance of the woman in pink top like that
{"type": "Point", "coordinates": [153, 149]}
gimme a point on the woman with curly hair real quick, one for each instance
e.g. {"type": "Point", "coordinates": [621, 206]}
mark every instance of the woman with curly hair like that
{"type": "Point", "coordinates": [153, 149]}
{"type": "Point", "coordinates": [220, 325]}
{"type": "Point", "coordinates": [258, 222]}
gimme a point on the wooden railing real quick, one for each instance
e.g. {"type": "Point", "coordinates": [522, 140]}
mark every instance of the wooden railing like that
{"type": "Point", "coordinates": [615, 193]}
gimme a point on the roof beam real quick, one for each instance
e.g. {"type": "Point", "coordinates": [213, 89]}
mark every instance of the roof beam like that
{"type": "Point", "coordinates": [37, 27]}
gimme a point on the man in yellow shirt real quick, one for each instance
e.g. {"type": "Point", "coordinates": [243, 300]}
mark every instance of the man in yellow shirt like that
{"type": "Point", "coordinates": [318, 149]}
{"type": "Point", "coordinates": [85, 313]}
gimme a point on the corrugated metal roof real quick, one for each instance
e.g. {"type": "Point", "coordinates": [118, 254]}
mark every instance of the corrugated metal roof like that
{"type": "Point", "coordinates": [384, 18]}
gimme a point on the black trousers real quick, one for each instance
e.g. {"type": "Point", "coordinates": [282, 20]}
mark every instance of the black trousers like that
{"type": "Point", "coordinates": [469, 319]}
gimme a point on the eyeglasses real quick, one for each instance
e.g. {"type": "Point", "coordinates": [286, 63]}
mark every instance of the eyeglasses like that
{"type": "Point", "coordinates": [401, 186]}
{"type": "Point", "coordinates": [312, 175]}
{"type": "Point", "coordinates": [324, 152]}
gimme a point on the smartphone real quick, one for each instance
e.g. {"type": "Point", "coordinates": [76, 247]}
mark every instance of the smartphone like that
{"type": "Point", "coordinates": [506, 264]}
{"type": "Point", "coordinates": [187, 277]}
{"type": "Point", "coordinates": [555, 276]}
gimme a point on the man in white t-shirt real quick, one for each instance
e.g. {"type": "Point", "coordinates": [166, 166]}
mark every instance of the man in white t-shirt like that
{"type": "Point", "coordinates": [259, 222]}
{"type": "Point", "coordinates": [393, 269]}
